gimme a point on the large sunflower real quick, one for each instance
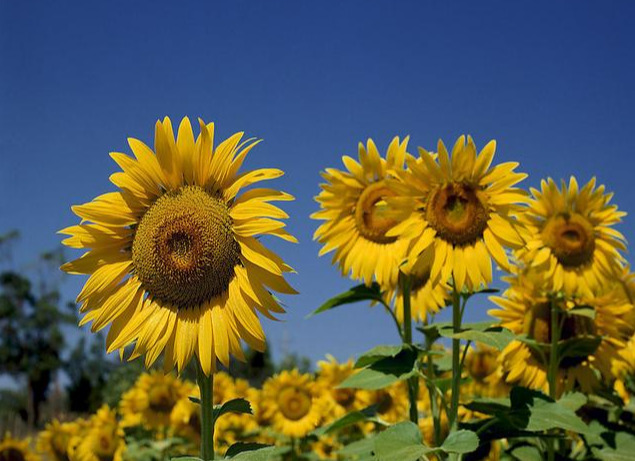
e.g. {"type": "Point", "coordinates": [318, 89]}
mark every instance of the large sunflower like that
{"type": "Point", "coordinates": [460, 208]}
{"type": "Point", "coordinates": [12, 449]}
{"type": "Point", "coordinates": [174, 260]}
{"type": "Point", "coordinates": [572, 236]}
{"type": "Point", "coordinates": [526, 309]}
{"type": "Point", "coordinates": [294, 403]}
{"type": "Point", "coordinates": [356, 217]}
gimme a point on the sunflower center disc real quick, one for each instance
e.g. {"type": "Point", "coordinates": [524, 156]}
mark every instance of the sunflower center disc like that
{"type": "Point", "coordinates": [372, 213]}
{"type": "Point", "coordinates": [457, 214]}
{"type": "Point", "coordinates": [11, 454]}
{"type": "Point", "coordinates": [537, 326]}
{"type": "Point", "coordinates": [481, 364]}
{"type": "Point", "coordinates": [160, 400]}
{"type": "Point", "coordinates": [571, 239]}
{"type": "Point", "coordinates": [184, 251]}
{"type": "Point", "coordinates": [294, 403]}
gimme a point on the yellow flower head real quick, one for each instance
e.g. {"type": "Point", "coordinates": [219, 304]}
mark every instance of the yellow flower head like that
{"type": "Point", "coordinates": [55, 439]}
{"type": "Point", "coordinates": [103, 441]}
{"type": "Point", "coordinates": [293, 402]}
{"type": "Point", "coordinates": [151, 400]}
{"type": "Point", "coordinates": [461, 209]}
{"type": "Point", "coordinates": [526, 309]}
{"type": "Point", "coordinates": [572, 237]}
{"type": "Point", "coordinates": [330, 375]}
{"type": "Point", "coordinates": [174, 260]}
{"type": "Point", "coordinates": [12, 449]}
{"type": "Point", "coordinates": [357, 218]}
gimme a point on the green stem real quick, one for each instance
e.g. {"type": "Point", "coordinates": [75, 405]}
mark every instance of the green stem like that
{"type": "Point", "coordinates": [456, 361]}
{"type": "Point", "coordinates": [554, 362]}
{"type": "Point", "coordinates": [413, 382]}
{"type": "Point", "coordinates": [206, 386]}
{"type": "Point", "coordinates": [394, 318]}
{"type": "Point", "coordinates": [432, 392]}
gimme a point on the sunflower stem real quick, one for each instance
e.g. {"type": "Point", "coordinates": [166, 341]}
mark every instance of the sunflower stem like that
{"type": "Point", "coordinates": [206, 386]}
{"type": "Point", "coordinates": [456, 360]}
{"type": "Point", "coordinates": [554, 362]}
{"type": "Point", "coordinates": [432, 391]}
{"type": "Point", "coordinates": [413, 382]}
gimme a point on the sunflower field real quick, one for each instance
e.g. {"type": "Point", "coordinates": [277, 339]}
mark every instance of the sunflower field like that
{"type": "Point", "coordinates": [178, 275]}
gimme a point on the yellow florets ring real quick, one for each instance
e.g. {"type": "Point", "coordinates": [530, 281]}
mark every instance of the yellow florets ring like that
{"type": "Point", "coordinates": [184, 251]}
{"type": "Point", "coordinates": [372, 215]}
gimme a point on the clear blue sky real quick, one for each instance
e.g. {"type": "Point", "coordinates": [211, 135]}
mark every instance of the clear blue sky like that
{"type": "Point", "coordinates": [553, 82]}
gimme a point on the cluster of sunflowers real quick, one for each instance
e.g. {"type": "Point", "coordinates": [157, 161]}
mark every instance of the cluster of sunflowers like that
{"type": "Point", "coordinates": [177, 268]}
{"type": "Point", "coordinates": [286, 411]}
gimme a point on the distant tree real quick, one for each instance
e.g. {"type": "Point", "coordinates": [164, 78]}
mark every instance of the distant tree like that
{"type": "Point", "coordinates": [88, 369]}
{"type": "Point", "coordinates": [31, 338]}
{"type": "Point", "coordinates": [257, 367]}
{"type": "Point", "coordinates": [292, 361]}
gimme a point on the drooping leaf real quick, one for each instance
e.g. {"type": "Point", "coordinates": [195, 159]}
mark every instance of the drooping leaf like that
{"type": "Point", "coordinates": [378, 353]}
{"type": "Point", "coordinates": [355, 294]}
{"type": "Point", "coordinates": [232, 406]}
{"type": "Point", "coordinates": [581, 346]}
{"type": "Point", "coordinates": [482, 332]}
{"type": "Point", "coordinates": [242, 447]}
{"type": "Point", "coordinates": [460, 442]}
{"type": "Point", "coordinates": [384, 372]}
{"type": "Point", "coordinates": [347, 420]}
{"type": "Point", "coordinates": [401, 442]}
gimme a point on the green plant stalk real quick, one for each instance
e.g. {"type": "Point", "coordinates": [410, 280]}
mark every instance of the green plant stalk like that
{"type": "Point", "coordinates": [413, 382]}
{"type": "Point", "coordinates": [456, 361]}
{"type": "Point", "coordinates": [206, 386]}
{"type": "Point", "coordinates": [554, 362]}
{"type": "Point", "coordinates": [436, 416]}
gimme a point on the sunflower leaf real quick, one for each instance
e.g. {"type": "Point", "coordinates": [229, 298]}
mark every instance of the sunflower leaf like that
{"type": "Point", "coordinates": [460, 442]}
{"type": "Point", "coordinates": [583, 311]}
{"type": "Point", "coordinates": [385, 371]}
{"type": "Point", "coordinates": [348, 419]}
{"type": "Point", "coordinates": [376, 354]}
{"type": "Point", "coordinates": [232, 406]}
{"type": "Point", "coordinates": [483, 332]}
{"type": "Point", "coordinates": [401, 442]}
{"type": "Point", "coordinates": [355, 294]}
{"type": "Point", "coordinates": [242, 447]}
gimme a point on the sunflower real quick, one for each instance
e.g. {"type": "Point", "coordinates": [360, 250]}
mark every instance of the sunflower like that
{"type": "Point", "coordinates": [16, 450]}
{"type": "Point", "coordinates": [151, 400]}
{"type": "Point", "coordinates": [357, 218]}
{"type": "Point", "coordinates": [461, 209]}
{"type": "Point", "coordinates": [392, 402]}
{"type": "Point", "coordinates": [486, 378]}
{"type": "Point", "coordinates": [174, 261]}
{"type": "Point", "coordinates": [572, 236]}
{"type": "Point", "coordinates": [54, 440]}
{"type": "Point", "coordinates": [293, 402]}
{"type": "Point", "coordinates": [526, 309]}
{"type": "Point", "coordinates": [103, 441]}
{"type": "Point", "coordinates": [330, 375]}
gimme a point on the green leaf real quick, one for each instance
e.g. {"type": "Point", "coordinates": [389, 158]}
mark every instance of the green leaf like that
{"type": "Point", "coordinates": [232, 406]}
{"type": "Point", "coordinates": [584, 311]}
{"type": "Point", "coordinates": [581, 346]}
{"type": "Point", "coordinates": [347, 420]}
{"type": "Point", "coordinates": [461, 441]}
{"type": "Point", "coordinates": [482, 332]}
{"type": "Point", "coordinates": [355, 294]}
{"type": "Point", "coordinates": [186, 458]}
{"type": "Point", "coordinates": [262, 454]}
{"type": "Point", "coordinates": [242, 447]}
{"type": "Point", "coordinates": [384, 372]}
{"type": "Point", "coordinates": [376, 354]}
{"type": "Point", "coordinates": [527, 453]}
{"type": "Point", "coordinates": [623, 451]}
{"type": "Point", "coordinates": [195, 400]}
{"type": "Point", "coordinates": [361, 450]}
{"type": "Point", "coordinates": [401, 442]}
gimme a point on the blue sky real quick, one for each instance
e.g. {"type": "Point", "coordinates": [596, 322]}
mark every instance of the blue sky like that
{"type": "Point", "coordinates": [553, 82]}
